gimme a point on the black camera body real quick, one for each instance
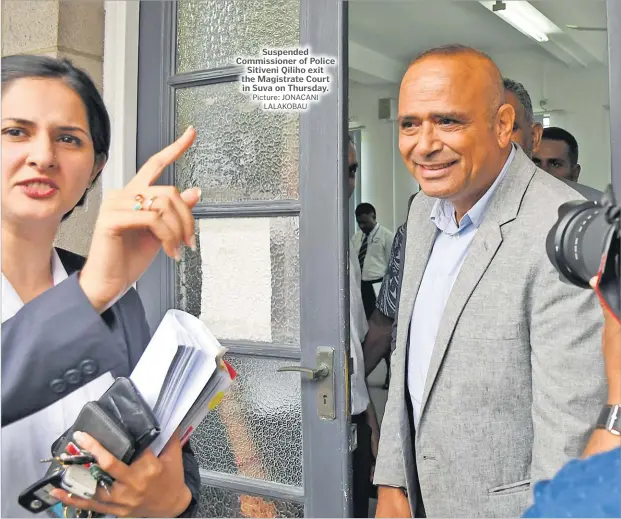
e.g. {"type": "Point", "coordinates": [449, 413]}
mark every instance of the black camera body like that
{"type": "Point", "coordinates": [584, 242]}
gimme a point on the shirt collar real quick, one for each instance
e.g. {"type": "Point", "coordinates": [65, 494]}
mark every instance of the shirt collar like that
{"type": "Point", "coordinates": [443, 211]}
{"type": "Point", "coordinates": [372, 234]}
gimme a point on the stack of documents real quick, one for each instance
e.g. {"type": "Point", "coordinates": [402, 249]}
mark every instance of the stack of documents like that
{"type": "Point", "coordinates": [181, 375]}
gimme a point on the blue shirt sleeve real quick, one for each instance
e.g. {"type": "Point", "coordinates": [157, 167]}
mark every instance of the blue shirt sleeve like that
{"type": "Point", "coordinates": [588, 487]}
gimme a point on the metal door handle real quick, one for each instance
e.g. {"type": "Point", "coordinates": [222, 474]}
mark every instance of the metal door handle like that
{"type": "Point", "coordinates": [313, 374]}
{"type": "Point", "coordinates": [324, 381]}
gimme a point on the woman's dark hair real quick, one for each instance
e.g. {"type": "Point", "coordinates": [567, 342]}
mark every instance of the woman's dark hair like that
{"type": "Point", "coordinates": [22, 66]}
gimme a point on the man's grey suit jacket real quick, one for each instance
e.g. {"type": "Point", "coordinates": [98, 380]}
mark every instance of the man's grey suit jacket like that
{"type": "Point", "coordinates": [516, 377]}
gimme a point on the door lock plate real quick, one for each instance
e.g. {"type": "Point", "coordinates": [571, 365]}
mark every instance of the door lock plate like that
{"type": "Point", "coordinates": [325, 386]}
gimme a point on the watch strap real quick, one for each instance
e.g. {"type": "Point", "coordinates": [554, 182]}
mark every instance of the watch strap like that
{"type": "Point", "coordinates": [610, 419]}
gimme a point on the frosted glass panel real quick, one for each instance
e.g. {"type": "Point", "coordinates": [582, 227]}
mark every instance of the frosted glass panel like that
{"type": "Point", "coordinates": [243, 280]}
{"type": "Point", "coordinates": [212, 33]}
{"type": "Point", "coordinates": [256, 431]}
{"type": "Point", "coordinates": [218, 502]}
{"type": "Point", "coordinates": [241, 152]}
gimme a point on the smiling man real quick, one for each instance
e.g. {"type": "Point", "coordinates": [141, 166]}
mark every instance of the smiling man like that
{"type": "Point", "coordinates": [495, 379]}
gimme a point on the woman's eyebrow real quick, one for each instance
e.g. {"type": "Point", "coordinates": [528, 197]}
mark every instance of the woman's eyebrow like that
{"type": "Point", "coordinates": [63, 128]}
{"type": "Point", "coordinates": [23, 122]}
{"type": "Point", "coordinates": [73, 129]}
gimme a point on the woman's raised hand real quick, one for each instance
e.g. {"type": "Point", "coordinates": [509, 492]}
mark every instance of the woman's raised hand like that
{"type": "Point", "coordinates": [134, 223]}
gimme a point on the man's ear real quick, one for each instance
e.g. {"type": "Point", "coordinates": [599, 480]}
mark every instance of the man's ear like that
{"type": "Point", "coordinates": [537, 132]}
{"type": "Point", "coordinates": [575, 172]}
{"type": "Point", "coordinates": [504, 124]}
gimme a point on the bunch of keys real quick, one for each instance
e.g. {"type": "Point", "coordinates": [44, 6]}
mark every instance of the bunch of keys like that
{"type": "Point", "coordinates": [77, 481]}
{"type": "Point", "coordinates": [104, 480]}
{"type": "Point", "coordinates": [68, 459]}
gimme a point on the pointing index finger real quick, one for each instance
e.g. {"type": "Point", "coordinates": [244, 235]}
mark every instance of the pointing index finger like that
{"type": "Point", "coordinates": [152, 169]}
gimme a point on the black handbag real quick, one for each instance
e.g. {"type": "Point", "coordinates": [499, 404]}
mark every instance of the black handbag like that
{"type": "Point", "coordinates": [120, 420]}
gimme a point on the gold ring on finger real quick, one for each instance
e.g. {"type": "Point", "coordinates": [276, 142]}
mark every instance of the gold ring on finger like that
{"type": "Point", "coordinates": [139, 202]}
{"type": "Point", "coordinates": [150, 201]}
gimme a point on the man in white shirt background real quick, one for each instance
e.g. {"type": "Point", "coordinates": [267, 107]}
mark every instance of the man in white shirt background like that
{"type": "Point", "coordinates": [372, 245]}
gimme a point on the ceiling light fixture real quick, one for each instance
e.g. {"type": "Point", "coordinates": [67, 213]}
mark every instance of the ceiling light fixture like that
{"type": "Point", "coordinates": [524, 17]}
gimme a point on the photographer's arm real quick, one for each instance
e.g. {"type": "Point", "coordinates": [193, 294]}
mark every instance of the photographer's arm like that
{"type": "Point", "coordinates": [601, 439]}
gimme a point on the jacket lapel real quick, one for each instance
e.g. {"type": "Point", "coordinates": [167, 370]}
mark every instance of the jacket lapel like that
{"type": "Point", "coordinates": [503, 208]}
{"type": "Point", "coordinates": [421, 233]}
{"type": "Point", "coordinates": [72, 262]}
{"type": "Point", "coordinates": [482, 250]}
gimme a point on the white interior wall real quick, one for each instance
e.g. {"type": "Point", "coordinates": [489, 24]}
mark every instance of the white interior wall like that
{"type": "Point", "coordinates": [581, 94]}
{"type": "Point", "coordinates": [385, 181]}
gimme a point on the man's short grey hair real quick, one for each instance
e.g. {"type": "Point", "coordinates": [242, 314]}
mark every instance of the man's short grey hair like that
{"type": "Point", "coordinates": [523, 97]}
{"type": "Point", "coordinates": [453, 49]}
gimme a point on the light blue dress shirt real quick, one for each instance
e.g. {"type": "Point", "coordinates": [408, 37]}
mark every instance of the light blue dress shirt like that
{"type": "Point", "coordinates": [447, 256]}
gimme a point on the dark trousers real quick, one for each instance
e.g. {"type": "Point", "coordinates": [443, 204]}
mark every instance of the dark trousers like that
{"type": "Point", "coordinates": [368, 296]}
{"type": "Point", "coordinates": [361, 462]}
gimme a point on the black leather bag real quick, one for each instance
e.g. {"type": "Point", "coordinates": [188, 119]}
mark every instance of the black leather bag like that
{"type": "Point", "coordinates": [120, 420]}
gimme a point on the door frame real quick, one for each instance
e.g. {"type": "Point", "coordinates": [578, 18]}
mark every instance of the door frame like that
{"type": "Point", "coordinates": [323, 225]}
{"type": "Point", "coordinates": [614, 73]}
{"type": "Point", "coordinates": [613, 11]}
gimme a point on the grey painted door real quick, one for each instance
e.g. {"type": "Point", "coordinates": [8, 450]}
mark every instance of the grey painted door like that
{"type": "Point", "coordinates": [614, 67]}
{"type": "Point", "coordinates": [269, 275]}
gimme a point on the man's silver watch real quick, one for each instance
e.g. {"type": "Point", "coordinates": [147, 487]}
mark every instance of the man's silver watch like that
{"type": "Point", "coordinates": [610, 419]}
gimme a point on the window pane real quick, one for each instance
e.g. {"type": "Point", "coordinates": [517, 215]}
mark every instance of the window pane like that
{"type": "Point", "coordinates": [241, 152]}
{"type": "Point", "coordinates": [218, 502]}
{"type": "Point", "coordinates": [212, 33]}
{"type": "Point", "coordinates": [243, 279]}
{"type": "Point", "coordinates": [256, 431]}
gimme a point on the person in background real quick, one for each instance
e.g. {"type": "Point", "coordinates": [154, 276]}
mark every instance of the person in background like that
{"type": "Point", "coordinates": [372, 245]}
{"type": "Point", "coordinates": [530, 135]}
{"type": "Point", "coordinates": [526, 131]}
{"type": "Point", "coordinates": [379, 337]}
{"type": "Point", "coordinates": [485, 332]}
{"type": "Point", "coordinates": [71, 325]}
{"type": "Point", "coordinates": [558, 154]}
{"type": "Point", "coordinates": [362, 410]}
{"type": "Point", "coordinates": [591, 487]}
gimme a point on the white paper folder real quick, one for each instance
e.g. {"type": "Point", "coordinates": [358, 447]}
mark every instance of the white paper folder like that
{"type": "Point", "coordinates": [181, 375]}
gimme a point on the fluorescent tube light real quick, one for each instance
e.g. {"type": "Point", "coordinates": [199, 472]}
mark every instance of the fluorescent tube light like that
{"type": "Point", "coordinates": [525, 18]}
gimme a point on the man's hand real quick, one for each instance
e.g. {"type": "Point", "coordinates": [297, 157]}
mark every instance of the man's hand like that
{"type": "Point", "coordinates": [149, 487]}
{"type": "Point", "coordinates": [392, 502]}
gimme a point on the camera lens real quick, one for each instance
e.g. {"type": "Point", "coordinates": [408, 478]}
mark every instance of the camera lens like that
{"type": "Point", "coordinates": [577, 241]}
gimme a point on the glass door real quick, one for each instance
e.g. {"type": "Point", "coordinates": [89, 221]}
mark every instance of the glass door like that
{"type": "Point", "coordinates": [268, 276]}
